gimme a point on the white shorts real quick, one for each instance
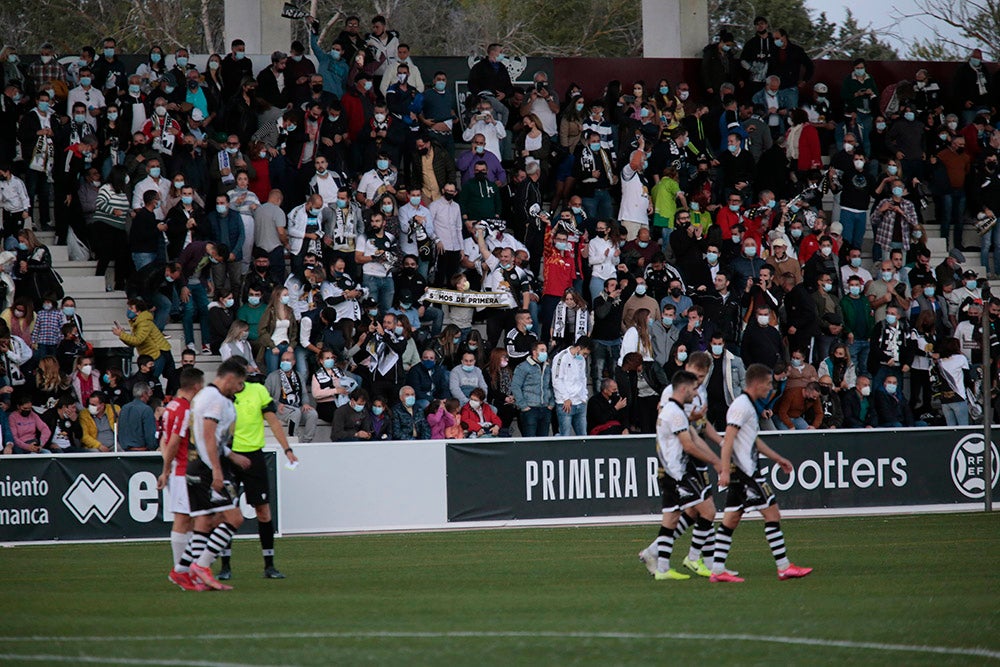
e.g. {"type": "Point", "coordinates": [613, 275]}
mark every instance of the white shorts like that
{"type": "Point", "coordinates": [179, 495]}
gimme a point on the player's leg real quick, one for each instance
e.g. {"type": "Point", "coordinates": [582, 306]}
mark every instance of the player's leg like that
{"type": "Point", "coordinates": [218, 540]}
{"type": "Point", "coordinates": [665, 546]}
{"type": "Point", "coordinates": [702, 539]}
{"type": "Point", "coordinates": [180, 532]}
{"type": "Point", "coordinates": [723, 543]}
{"type": "Point", "coordinates": [776, 540]}
{"type": "Point", "coordinates": [265, 531]}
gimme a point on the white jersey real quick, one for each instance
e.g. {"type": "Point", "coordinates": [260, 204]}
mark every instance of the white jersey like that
{"type": "Point", "coordinates": [697, 403]}
{"type": "Point", "coordinates": [211, 404]}
{"type": "Point", "coordinates": [635, 198]}
{"type": "Point", "coordinates": [743, 415]}
{"type": "Point", "coordinates": [670, 423]}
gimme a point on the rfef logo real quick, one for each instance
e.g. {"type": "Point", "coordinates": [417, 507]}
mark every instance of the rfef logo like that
{"type": "Point", "coordinates": [968, 461]}
{"type": "Point", "coordinates": [86, 499]}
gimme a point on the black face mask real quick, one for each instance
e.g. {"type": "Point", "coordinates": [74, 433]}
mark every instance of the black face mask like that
{"type": "Point", "coordinates": [601, 233]}
{"type": "Point", "coordinates": [449, 196]}
{"type": "Point", "coordinates": [25, 413]}
{"type": "Point", "coordinates": [317, 88]}
{"type": "Point", "coordinates": [675, 292]}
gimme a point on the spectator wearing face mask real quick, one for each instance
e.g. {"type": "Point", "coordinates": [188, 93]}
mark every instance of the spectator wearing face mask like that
{"type": "Point", "coordinates": [892, 410]}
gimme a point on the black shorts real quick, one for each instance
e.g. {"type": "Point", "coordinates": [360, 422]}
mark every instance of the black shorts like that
{"type": "Point", "coordinates": [697, 479]}
{"type": "Point", "coordinates": [254, 479]}
{"type": "Point", "coordinates": [677, 495]}
{"type": "Point", "coordinates": [747, 493]}
{"type": "Point", "coordinates": [203, 499]}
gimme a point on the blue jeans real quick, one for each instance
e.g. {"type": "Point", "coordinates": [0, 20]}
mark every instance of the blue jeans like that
{"type": "Point", "coordinates": [596, 287]}
{"type": "Point", "coordinates": [952, 212]}
{"type": "Point", "coordinates": [141, 259]}
{"type": "Point", "coordinates": [956, 414]}
{"type": "Point", "coordinates": [859, 354]}
{"type": "Point", "coordinates": [380, 289]}
{"type": "Point", "coordinates": [434, 317]}
{"type": "Point", "coordinates": [574, 423]}
{"type": "Point", "coordinates": [271, 360]}
{"type": "Point", "coordinates": [664, 237]}
{"type": "Point", "coordinates": [854, 227]}
{"type": "Point", "coordinates": [798, 424]}
{"type": "Point", "coordinates": [37, 183]}
{"type": "Point", "coordinates": [535, 422]}
{"type": "Point", "coordinates": [197, 303]}
{"type": "Point", "coordinates": [161, 363]}
{"type": "Point", "coordinates": [991, 239]}
{"type": "Point", "coordinates": [605, 355]}
{"type": "Point", "coordinates": [163, 304]}
{"type": "Point", "coordinates": [599, 207]}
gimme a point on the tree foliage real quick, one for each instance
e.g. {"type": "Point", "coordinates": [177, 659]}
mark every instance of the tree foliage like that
{"type": "Point", "coordinates": [955, 27]}
{"type": "Point", "coordinates": [816, 33]}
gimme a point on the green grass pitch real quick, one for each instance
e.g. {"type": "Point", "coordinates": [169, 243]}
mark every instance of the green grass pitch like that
{"type": "Point", "coordinates": [882, 587]}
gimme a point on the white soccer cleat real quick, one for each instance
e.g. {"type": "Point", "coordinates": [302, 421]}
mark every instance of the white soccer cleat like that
{"type": "Point", "coordinates": [649, 560]}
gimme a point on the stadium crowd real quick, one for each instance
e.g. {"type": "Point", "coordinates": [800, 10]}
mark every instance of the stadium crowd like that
{"type": "Point", "coordinates": [399, 266]}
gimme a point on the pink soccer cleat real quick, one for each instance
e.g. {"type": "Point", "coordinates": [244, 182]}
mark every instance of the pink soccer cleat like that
{"type": "Point", "coordinates": [204, 575]}
{"type": "Point", "coordinates": [725, 578]}
{"type": "Point", "coordinates": [793, 572]}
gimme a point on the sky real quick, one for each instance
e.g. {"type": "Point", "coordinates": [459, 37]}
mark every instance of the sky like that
{"type": "Point", "coordinates": [880, 14]}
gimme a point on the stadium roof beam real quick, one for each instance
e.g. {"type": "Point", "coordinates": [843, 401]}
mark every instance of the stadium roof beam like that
{"type": "Point", "coordinates": [674, 28]}
{"type": "Point", "coordinates": [259, 24]}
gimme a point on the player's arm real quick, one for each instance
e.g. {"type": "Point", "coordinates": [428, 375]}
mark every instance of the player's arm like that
{"type": "Point", "coordinates": [272, 420]}
{"type": "Point", "coordinates": [212, 449]}
{"type": "Point", "coordinates": [727, 454]}
{"type": "Point", "coordinates": [712, 434]}
{"type": "Point", "coordinates": [783, 463]}
{"type": "Point", "coordinates": [697, 448]}
{"type": "Point", "coordinates": [169, 452]}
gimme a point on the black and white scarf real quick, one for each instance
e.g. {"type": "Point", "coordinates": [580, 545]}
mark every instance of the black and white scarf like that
{"type": "Point", "coordinates": [291, 389]}
{"type": "Point", "coordinates": [581, 321]}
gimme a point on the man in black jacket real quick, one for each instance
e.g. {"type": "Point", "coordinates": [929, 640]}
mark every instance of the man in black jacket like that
{"type": "Point", "coordinates": [606, 411]}
{"type": "Point", "coordinates": [491, 75]}
{"type": "Point", "coordinates": [761, 340]}
{"type": "Point", "coordinates": [606, 332]}
{"type": "Point", "coordinates": [857, 405]}
{"type": "Point", "coordinates": [791, 64]}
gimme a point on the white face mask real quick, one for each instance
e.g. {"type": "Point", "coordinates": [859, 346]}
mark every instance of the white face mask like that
{"type": "Point", "coordinates": [763, 320]}
{"type": "Point", "coordinates": [92, 409]}
{"type": "Point", "coordinates": [865, 391]}
{"type": "Point", "coordinates": [86, 368]}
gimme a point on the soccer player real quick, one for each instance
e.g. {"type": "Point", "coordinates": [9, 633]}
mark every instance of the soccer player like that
{"type": "Point", "coordinates": [210, 490]}
{"type": "Point", "coordinates": [681, 484]}
{"type": "Point", "coordinates": [254, 405]}
{"type": "Point", "coordinates": [747, 488]}
{"type": "Point", "coordinates": [174, 446]}
{"type": "Point", "coordinates": [702, 515]}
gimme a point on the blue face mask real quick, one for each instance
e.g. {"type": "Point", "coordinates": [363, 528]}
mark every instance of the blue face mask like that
{"type": "Point", "coordinates": [357, 408]}
{"type": "Point", "coordinates": [155, 58]}
{"type": "Point", "coordinates": [928, 291]}
{"type": "Point", "coordinates": [134, 89]}
{"type": "Point", "coordinates": [387, 208]}
{"type": "Point", "coordinates": [881, 126]}
{"type": "Point", "coordinates": [796, 233]}
{"type": "Point", "coordinates": [892, 170]}
{"type": "Point", "coordinates": [377, 410]}
{"type": "Point", "coordinates": [732, 148]}
{"type": "Point", "coordinates": [428, 363]}
{"type": "Point", "coordinates": [897, 192]}
{"type": "Point", "coordinates": [85, 81]}
{"type": "Point", "coordinates": [221, 209]}
{"type": "Point", "coordinates": [695, 206]}
{"type": "Point", "coordinates": [734, 208]}
{"type": "Point", "coordinates": [239, 55]}
{"type": "Point", "coordinates": [43, 107]}
{"type": "Point", "coordinates": [468, 369]}
{"type": "Point", "coordinates": [329, 363]}
{"type": "Point", "coordinates": [750, 251]}
{"type": "Point", "coordinates": [717, 349]}
{"type": "Point", "coordinates": [109, 53]}
{"type": "Point", "coordinates": [182, 61]}
{"type": "Point", "coordinates": [154, 172]}
{"type": "Point", "coordinates": [187, 200]}
{"type": "Point", "coordinates": [69, 311]}
{"type": "Point", "coordinates": [341, 203]}
{"type": "Point", "coordinates": [253, 300]}
{"type": "Point", "coordinates": [131, 314]}
{"type": "Point", "coordinates": [398, 331]}
{"type": "Point", "coordinates": [543, 357]}
{"type": "Point", "coordinates": [480, 150]}
{"type": "Point", "coordinates": [336, 55]}
{"type": "Point", "coordinates": [22, 246]}
{"type": "Point", "coordinates": [382, 164]}
{"type": "Point", "coordinates": [285, 366]}
{"type": "Point", "coordinates": [640, 289]}
{"type": "Point", "coordinates": [712, 257]}
{"type": "Point", "coordinates": [890, 319]}
{"type": "Point", "coordinates": [440, 86]}
{"type": "Point", "coordinates": [367, 85]}
{"type": "Point", "coordinates": [664, 90]}
{"type": "Point", "coordinates": [779, 43]}
{"type": "Point", "coordinates": [562, 245]}
{"type": "Point", "coordinates": [79, 118]}
{"type": "Point", "coordinates": [642, 244]}
{"type": "Point", "coordinates": [793, 208]}
{"type": "Point", "coordinates": [772, 203]}
{"type": "Point", "coordinates": [410, 401]}
{"type": "Point", "coordinates": [855, 290]}
{"type": "Point", "coordinates": [909, 115]}
{"type": "Point", "coordinates": [644, 113]}
{"type": "Point", "coordinates": [596, 146]}
{"type": "Point", "coordinates": [682, 356]}
{"type": "Point", "coordinates": [855, 262]}
{"type": "Point", "coordinates": [414, 201]}
{"type": "Point", "coordinates": [971, 284]}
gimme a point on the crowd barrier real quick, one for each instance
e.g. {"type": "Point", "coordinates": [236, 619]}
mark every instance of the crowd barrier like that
{"type": "Point", "coordinates": [351, 487]}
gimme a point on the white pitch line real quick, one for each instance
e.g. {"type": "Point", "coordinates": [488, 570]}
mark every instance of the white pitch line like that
{"type": "Point", "coordinates": [471, 634]}
{"type": "Point", "coordinates": [102, 660]}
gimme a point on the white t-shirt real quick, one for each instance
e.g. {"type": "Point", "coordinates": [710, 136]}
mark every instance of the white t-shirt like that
{"type": "Point", "coordinates": [211, 404]}
{"type": "Point", "coordinates": [743, 415]}
{"type": "Point", "coordinates": [954, 368]}
{"type": "Point", "coordinates": [603, 265]}
{"type": "Point", "coordinates": [635, 198]}
{"type": "Point", "coordinates": [670, 423]}
{"type": "Point", "coordinates": [369, 246]}
{"type": "Point", "coordinates": [373, 183]}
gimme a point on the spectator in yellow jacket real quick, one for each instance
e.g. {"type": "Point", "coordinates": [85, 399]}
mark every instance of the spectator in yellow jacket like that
{"type": "Point", "coordinates": [145, 337]}
{"type": "Point", "coordinates": [98, 423]}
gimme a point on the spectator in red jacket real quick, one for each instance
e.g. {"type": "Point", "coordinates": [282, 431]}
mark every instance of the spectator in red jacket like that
{"type": "Point", "coordinates": [479, 419]}
{"type": "Point", "coordinates": [802, 143]}
{"type": "Point", "coordinates": [359, 105]}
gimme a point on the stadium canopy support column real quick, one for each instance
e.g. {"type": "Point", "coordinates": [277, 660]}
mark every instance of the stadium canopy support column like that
{"type": "Point", "coordinates": [674, 28]}
{"type": "Point", "coordinates": [259, 24]}
{"type": "Point", "coordinates": [987, 413]}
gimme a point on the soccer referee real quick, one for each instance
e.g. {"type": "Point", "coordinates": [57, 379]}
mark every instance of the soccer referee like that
{"type": "Point", "coordinates": [253, 406]}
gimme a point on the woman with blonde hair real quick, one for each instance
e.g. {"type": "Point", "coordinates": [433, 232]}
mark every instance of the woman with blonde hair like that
{"type": "Point", "coordinates": [50, 383]}
{"type": "Point", "coordinates": [637, 338]}
{"type": "Point", "coordinates": [237, 344]}
{"type": "Point", "coordinates": [278, 329]}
